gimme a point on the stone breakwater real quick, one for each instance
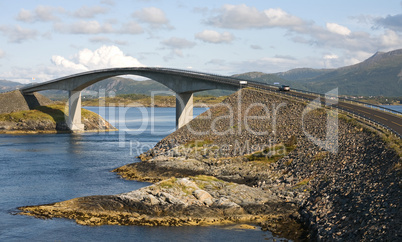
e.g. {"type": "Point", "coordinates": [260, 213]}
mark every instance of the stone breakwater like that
{"type": "Point", "coordinates": [257, 141]}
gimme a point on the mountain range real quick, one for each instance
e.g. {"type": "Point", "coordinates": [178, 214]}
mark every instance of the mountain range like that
{"type": "Point", "coordinates": [379, 75]}
{"type": "Point", "coordinates": [9, 85]}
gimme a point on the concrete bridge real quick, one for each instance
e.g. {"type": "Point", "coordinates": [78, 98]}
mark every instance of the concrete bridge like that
{"type": "Point", "coordinates": [183, 83]}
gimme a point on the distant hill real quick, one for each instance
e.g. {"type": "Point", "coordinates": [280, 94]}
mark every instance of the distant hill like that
{"type": "Point", "coordinates": [380, 75]}
{"type": "Point", "coordinates": [301, 74]}
{"type": "Point", "coordinates": [9, 85]}
{"type": "Point", "coordinates": [121, 85]}
{"type": "Point", "coordinates": [260, 76]}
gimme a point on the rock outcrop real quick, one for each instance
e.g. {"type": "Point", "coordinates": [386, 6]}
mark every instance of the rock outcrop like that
{"type": "Point", "coordinates": [14, 101]}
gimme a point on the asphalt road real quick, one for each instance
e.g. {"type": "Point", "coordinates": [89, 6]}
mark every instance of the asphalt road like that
{"type": "Point", "coordinates": [393, 121]}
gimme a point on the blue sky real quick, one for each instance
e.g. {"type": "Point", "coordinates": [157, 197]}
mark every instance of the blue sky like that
{"type": "Point", "coordinates": [42, 40]}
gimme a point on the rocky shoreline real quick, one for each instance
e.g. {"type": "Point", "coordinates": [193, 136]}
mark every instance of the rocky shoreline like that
{"type": "Point", "coordinates": [259, 146]}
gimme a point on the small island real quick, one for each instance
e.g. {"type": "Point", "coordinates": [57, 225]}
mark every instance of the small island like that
{"type": "Point", "coordinates": [38, 114]}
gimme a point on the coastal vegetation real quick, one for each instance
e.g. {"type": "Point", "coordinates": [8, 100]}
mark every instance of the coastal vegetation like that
{"type": "Point", "coordinates": [53, 113]}
{"type": "Point", "coordinates": [49, 119]}
{"type": "Point", "coordinates": [148, 101]}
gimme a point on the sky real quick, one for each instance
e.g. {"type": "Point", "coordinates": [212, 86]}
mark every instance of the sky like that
{"type": "Point", "coordinates": [46, 39]}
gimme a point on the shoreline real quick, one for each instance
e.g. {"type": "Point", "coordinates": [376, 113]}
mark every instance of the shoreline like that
{"type": "Point", "coordinates": [53, 131]}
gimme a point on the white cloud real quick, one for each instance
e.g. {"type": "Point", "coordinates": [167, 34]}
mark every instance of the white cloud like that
{"type": "Point", "coordinates": [67, 64]}
{"type": "Point", "coordinates": [391, 40]}
{"type": "Point", "coordinates": [332, 36]}
{"type": "Point", "coordinates": [41, 13]}
{"type": "Point", "coordinates": [211, 36]}
{"type": "Point", "coordinates": [153, 16]}
{"type": "Point", "coordinates": [89, 12]}
{"type": "Point", "coordinates": [84, 60]}
{"type": "Point", "coordinates": [338, 29]}
{"type": "Point", "coordinates": [95, 27]}
{"type": "Point", "coordinates": [106, 40]}
{"type": "Point", "coordinates": [25, 16]}
{"type": "Point", "coordinates": [104, 57]}
{"type": "Point", "coordinates": [2, 53]}
{"type": "Point", "coordinates": [132, 28]}
{"type": "Point", "coordinates": [243, 16]}
{"type": "Point", "coordinates": [17, 34]}
{"type": "Point", "coordinates": [330, 57]}
{"type": "Point", "coordinates": [335, 36]}
{"type": "Point", "coordinates": [85, 27]}
{"type": "Point", "coordinates": [266, 64]}
{"type": "Point", "coordinates": [331, 60]}
{"type": "Point", "coordinates": [393, 22]}
{"type": "Point", "coordinates": [108, 2]}
{"type": "Point", "coordinates": [256, 47]}
{"type": "Point", "coordinates": [25, 75]}
{"type": "Point", "coordinates": [178, 43]}
{"type": "Point", "coordinates": [278, 17]}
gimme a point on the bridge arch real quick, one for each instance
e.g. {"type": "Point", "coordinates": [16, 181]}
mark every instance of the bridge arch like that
{"type": "Point", "coordinates": [183, 83]}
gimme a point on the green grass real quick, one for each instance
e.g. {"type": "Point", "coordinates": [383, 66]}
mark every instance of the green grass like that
{"type": "Point", "coordinates": [197, 143]}
{"type": "Point", "coordinates": [145, 100]}
{"type": "Point", "coordinates": [264, 159]}
{"type": "Point", "coordinates": [54, 113]}
{"type": "Point", "coordinates": [204, 181]}
{"type": "Point", "coordinates": [169, 183]}
{"type": "Point", "coordinates": [302, 183]}
{"type": "Point", "coordinates": [207, 178]}
{"type": "Point", "coordinates": [274, 153]}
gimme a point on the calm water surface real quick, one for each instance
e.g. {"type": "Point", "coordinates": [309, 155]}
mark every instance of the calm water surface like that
{"type": "Point", "coordinates": [39, 169]}
{"type": "Point", "coordinates": [394, 107]}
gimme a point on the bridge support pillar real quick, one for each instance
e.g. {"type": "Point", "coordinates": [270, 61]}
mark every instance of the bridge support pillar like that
{"type": "Point", "coordinates": [184, 108]}
{"type": "Point", "coordinates": [74, 111]}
